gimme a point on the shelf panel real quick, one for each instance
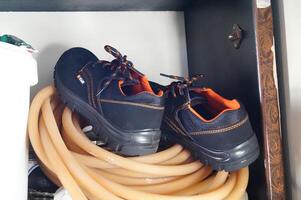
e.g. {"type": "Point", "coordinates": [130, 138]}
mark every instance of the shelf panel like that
{"type": "Point", "coordinates": [93, 5]}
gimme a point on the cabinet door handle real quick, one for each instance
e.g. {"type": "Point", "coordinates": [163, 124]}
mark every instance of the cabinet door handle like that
{"type": "Point", "coordinates": [236, 36]}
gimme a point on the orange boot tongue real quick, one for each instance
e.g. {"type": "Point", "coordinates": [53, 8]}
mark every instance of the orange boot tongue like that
{"type": "Point", "coordinates": [132, 88]}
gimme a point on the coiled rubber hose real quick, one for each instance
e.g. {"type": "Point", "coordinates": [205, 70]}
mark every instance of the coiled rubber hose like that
{"type": "Point", "coordinates": [88, 171]}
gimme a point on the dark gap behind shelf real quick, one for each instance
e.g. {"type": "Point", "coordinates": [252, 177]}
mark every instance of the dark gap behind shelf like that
{"type": "Point", "coordinates": [232, 72]}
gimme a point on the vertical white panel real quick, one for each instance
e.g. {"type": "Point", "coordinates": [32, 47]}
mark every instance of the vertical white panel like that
{"type": "Point", "coordinates": [291, 27]}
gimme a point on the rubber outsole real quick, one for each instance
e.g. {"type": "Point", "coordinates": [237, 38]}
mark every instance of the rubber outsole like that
{"type": "Point", "coordinates": [233, 159]}
{"type": "Point", "coordinates": [136, 143]}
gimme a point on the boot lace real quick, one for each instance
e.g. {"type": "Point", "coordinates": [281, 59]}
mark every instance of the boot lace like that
{"type": "Point", "coordinates": [121, 68]}
{"type": "Point", "coordinates": [182, 85]}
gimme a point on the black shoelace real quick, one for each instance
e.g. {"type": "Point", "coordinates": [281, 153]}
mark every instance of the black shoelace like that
{"type": "Point", "coordinates": [121, 68]}
{"type": "Point", "coordinates": [182, 85]}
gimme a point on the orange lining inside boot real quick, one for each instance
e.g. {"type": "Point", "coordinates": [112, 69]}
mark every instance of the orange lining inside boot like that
{"type": "Point", "coordinates": [142, 86]}
{"type": "Point", "coordinates": [217, 105]}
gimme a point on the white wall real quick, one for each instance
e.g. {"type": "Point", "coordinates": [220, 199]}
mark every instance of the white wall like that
{"type": "Point", "coordinates": [292, 31]}
{"type": "Point", "coordinates": [154, 41]}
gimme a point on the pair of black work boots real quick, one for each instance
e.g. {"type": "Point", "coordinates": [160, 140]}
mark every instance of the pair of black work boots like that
{"type": "Point", "coordinates": [128, 112]}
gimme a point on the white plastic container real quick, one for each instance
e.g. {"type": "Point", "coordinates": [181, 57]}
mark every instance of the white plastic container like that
{"type": "Point", "coordinates": [18, 71]}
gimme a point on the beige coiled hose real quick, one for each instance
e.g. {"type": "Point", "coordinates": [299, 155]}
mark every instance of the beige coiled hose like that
{"type": "Point", "coordinates": [88, 171]}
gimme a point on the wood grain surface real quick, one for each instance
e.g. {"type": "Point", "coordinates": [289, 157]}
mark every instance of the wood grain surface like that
{"type": "Point", "coordinates": [270, 106]}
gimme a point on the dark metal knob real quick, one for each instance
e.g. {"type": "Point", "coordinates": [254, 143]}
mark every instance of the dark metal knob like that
{"type": "Point", "coordinates": [236, 36]}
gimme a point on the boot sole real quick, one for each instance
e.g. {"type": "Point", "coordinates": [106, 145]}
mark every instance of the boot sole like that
{"type": "Point", "coordinates": [233, 159]}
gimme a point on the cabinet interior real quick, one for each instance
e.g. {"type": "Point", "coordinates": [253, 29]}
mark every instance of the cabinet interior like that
{"type": "Point", "coordinates": [205, 48]}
